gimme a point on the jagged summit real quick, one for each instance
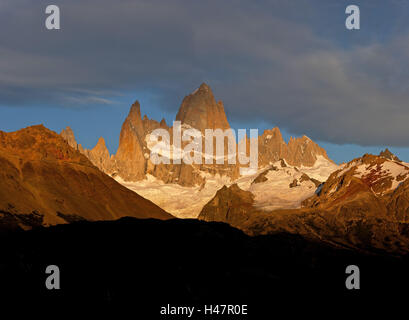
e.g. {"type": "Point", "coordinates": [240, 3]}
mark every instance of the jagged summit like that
{"type": "Point", "coordinates": [135, 108]}
{"type": "Point", "coordinates": [101, 145]}
{"type": "Point", "coordinates": [68, 135]}
{"type": "Point", "coordinates": [389, 155]}
{"type": "Point", "coordinates": [163, 122]}
{"type": "Point", "coordinates": [67, 131]}
{"type": "Point", "coordinates": [201, 111]}
{"type": "Point", "coordinates": [298, 162]}
{"type": "Point", "coordinates": [204, 87]}
{"type": "Point", "coordinates": [129, 156]}
{"type": "Point", "coordinates": [297, 152]}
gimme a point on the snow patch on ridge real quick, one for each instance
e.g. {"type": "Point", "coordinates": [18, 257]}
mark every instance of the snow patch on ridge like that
{"type": "Point", "coordinates": [388, 169]}
{"type": "Point", "coordinates": [321, 169]}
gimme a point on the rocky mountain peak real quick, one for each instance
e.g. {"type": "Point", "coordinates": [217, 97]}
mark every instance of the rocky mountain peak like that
{"type": "Point", "coordinates": [130, 159]}
{"type": "Point", "coordinates": [39, 143]}
{"type": "Point", "coordinates": [133, 122]}
{"type": "Point", "coordinates": [205, 88]}
{"type": "Point", "coordinates": [68, 135]}
{"type": "Point", "coordinates": [201, 111]}
{"type": "Point", "coordinates": [100, 146]}
{"type": "Point", "coordinates": [304, 151]}
{"type": "Point", "coordinates": [163, 123]}
{"type": "Point", "coordinates": [298, 151]}
{"type": "Point", "coordinates": [389, 155]}
{"type": "Point", "coordinates": [135, 110]}
{"type": "Point", "coordinates": [100, 157]}
{"type": "Point", "coordinates": [273, 134]}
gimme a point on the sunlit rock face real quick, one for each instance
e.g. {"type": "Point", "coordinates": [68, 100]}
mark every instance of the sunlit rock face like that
{"type": "Point", "coordinates": [44, 181]}
{"type": "Point", "coordinates": [199, 110]}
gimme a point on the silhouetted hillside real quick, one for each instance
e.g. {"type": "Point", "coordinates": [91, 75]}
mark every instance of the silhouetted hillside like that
{"type": "Point", "coordinates": [144, 264]}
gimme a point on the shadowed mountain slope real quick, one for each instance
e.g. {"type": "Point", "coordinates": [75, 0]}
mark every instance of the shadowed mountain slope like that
{"type": "Point", "coordinates": [44, 181]}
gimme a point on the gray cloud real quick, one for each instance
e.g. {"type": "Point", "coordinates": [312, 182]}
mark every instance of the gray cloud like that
{"type": "Point", "coordinates": [289, 63]}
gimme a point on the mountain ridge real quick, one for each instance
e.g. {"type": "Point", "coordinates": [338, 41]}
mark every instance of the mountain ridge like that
{"type": "Point", "coordinates": [45, 181]}
{"type": "Point", "coordinates": [200, 111]}
{"type": "Point", "coordinates": [363, 205]}
{"type": "Point", "coordinates": [131, 165]}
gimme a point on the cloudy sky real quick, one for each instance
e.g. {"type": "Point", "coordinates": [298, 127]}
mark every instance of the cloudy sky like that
{"type": "Point", "coordinates": [290, 64]}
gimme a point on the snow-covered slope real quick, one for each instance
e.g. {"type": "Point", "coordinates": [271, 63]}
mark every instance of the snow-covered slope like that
{"type": "Point", "coordinates": [321, 169]}
{"type": "Point", "coordinates": [381, 174]}
{"type": "Point", "coordinates": [182, 202]}
{"type": "Point", "coordinates": [277, 186]}
{"type": "Point", "coordinates": [284, 186]}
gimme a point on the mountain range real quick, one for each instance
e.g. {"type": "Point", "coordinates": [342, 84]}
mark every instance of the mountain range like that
{"type": "Point", "coordinates": [50, 179]}
{"type": "Point", "coordinates": [196, 184]}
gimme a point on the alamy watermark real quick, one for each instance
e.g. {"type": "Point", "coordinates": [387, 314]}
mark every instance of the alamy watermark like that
{"type": "Point", "coordinates": [353, 21]}
{"type": "Point", "coordinates": [353, 280]}
{"type": "Point", "coordinates": [53, 280]}
{"type": "Point", "coordinates": [52, 21]}
{"type": "Point", "coordinates": [162, 151]}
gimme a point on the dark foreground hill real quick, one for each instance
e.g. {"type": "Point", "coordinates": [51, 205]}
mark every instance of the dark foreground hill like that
{"type": "Point", "coordinates": [146, 264]}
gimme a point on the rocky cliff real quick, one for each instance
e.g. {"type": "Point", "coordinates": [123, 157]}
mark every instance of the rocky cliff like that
{"type": "Point", "coordinates": [130, 155]}
{"type": "Point", "coordinates": [298, 152]}
{"type": "Point", "coordinates": [201, 111]}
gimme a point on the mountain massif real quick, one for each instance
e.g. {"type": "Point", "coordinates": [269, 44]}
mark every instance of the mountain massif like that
{"type": "Point", "coordinates": [132, 166]}
{"type": "Point", "coordinates": [50, 179]}
{"type": "Point", "coordinates": [44, 181]}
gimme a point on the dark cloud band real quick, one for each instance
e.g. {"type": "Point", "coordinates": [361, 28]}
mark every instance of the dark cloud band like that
{"type": "Point", "coordinates": [289, 63]}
